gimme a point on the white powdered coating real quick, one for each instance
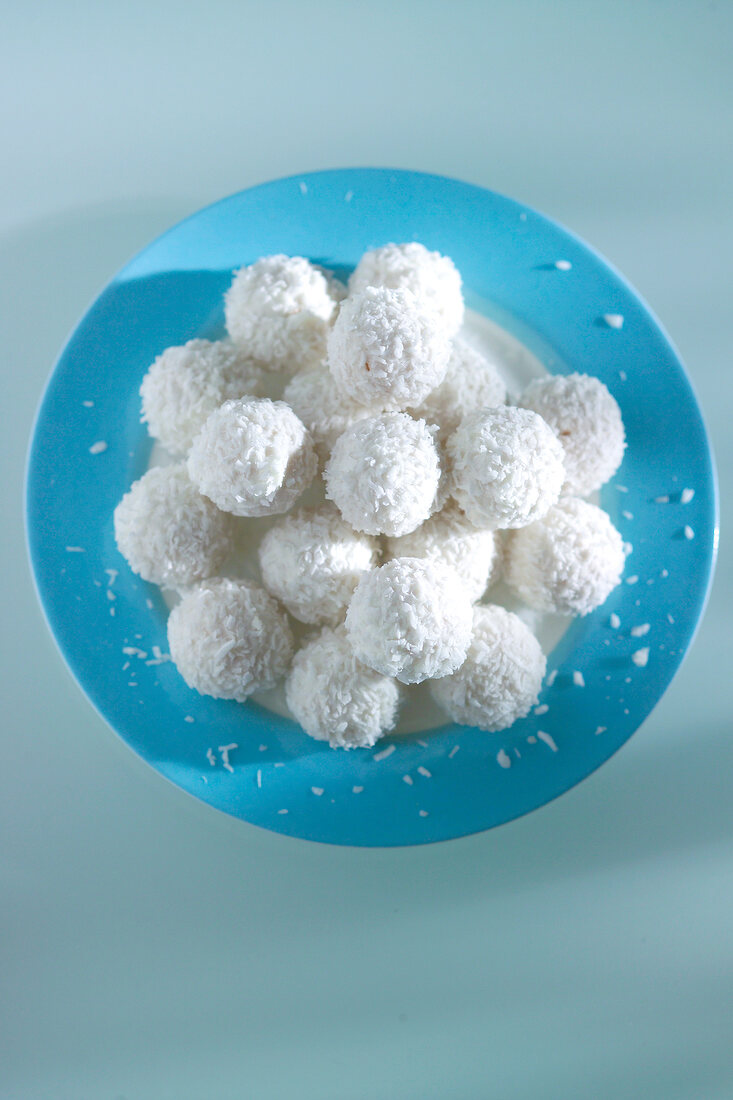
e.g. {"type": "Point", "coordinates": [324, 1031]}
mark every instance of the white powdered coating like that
{"type": "Point", "coordinates": [386, 349]}
{"type": "Point", "coordinates": [336, 698]}
{"type": "Point", "coordinates": [432, 278]}
{"type": "Point", "coordinates": [312, 560]}
{"type": "Point", "coordinates": [500, 679]}
{"type": "Point", "coordinates": [471, 382]}
{"type": "Point", "coordinates": [450, 538]}
{"type": "Point", "coordinates": [411, 618]}
{"type": "Point", "coordinates": [587, 420]}
{"type": "Point", "coordinates": [253, 457]}
{"type": "Point", "coordinates": [186, 384]}
{"type": "Point", "coordinates": [507, 467]}
{"type": "Point", "coordinates": [167, 532]}
{"type": "Point", "coordinates": [384, 473]}
{"type": "Point", "coordinates": [229, 638]}
{"type": "Point", "coordinates": [567, 562]}
{"type": "Point", "coordinates": [278, 310]}
{"type": "Point", "coordinates": [323, 409]}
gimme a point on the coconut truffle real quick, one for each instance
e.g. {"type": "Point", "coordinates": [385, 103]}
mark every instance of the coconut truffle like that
{"type": "Point", "coordinates": [410, 618]}
{"type": "Point", "coordinates": [387, 349]}
{"type": "Point", "coordinates": [253, 457]}
{"type": "Point", "coordinates": [384, 473]}
{"type": "Point", "coordinates": [471, 382]}
{"type": "Point", "coordinates": [449, 537]}
{"type": "Point", "coordinates": [507, 467]}
{"type": "Point", "coordinates": [278, 310]}
{"type": "Point", "coordinates": [501, 677]}
{"type": "Point", "coordinates": [587, 421]}
{"type": "Point", "coordinates": [567, 562]}
{"type": "Point", "coordinates": [185, 384]}
{"type": "Point", "coordinates": [312, 560]}
{"type": "Point", "coordinates": [229, 638]}
{"type": "Point", "coordinates": [323, 409]}
{"type": "Point", "coordinates": [167, 532]}
{"type": "Point", "coordinates": [432, 278]}
{"type": "Point", "coordinates": [336, 698]}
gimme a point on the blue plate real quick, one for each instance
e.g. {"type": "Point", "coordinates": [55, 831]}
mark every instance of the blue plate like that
{"type": "Point", "coordinates": [89, 445]}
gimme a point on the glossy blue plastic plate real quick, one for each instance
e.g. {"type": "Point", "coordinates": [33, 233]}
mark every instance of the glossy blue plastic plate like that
{"type": "Point", "coordinates": [89, 445]}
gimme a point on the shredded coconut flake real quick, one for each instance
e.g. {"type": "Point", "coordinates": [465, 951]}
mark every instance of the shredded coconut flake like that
{"type": "Point", "coordinates": [384, 753]}
{"type": "Point", "coordinates": [600, 729]}
{"type": "Point", "coordinates": [98, 447]}
{"type": "Point", "coordinates": [425, 772]}
{"type": "Point", "coordinates": [563, 265]}
{"type": "Point", "coordinates": [578, 679]}
{"type": "Point", "coordinates": [407, 779]}
{"type": "Point", "coordinates": [211, 757]}
{"type": "Point", "coordinates": [548, 739]}
{"type": "Point", "coordinates": [689, 533]}
{"type": "Point", "coordinates": [640, 631]}
{"type": "Point", "coordinates": [453, 751]}
{"type": "Point", "coordinates": [225, 750]}
{"type": "Point", "coordinates": [542, 709]}
{"type": "Point", "coordinates": [614, 620]}
{"type": "Point", "coordinates": [641, 657]}
{"type": "Point", "coordinates": [614, 320]}
{"type": "Point", "coordinates": [357, 790]}
{"type": "Point", "coordinates": [503, 759]}
{"type": "Point", "coordinates": [686, 496]}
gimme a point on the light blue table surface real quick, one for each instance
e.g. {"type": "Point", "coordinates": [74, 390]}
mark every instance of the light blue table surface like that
{"type": "Point", "coordinates": [153, 949]}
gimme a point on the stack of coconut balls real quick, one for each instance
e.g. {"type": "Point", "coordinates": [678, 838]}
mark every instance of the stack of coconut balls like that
{"type": "Point", "coordinates": [432, 484]}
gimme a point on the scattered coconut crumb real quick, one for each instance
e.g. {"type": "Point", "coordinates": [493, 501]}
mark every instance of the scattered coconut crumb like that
{"type": "Point", "coordinates": [259, 777]}
{"type": "Point", "coordinates": [640, 631]}
{"type": "Point", "coordinates": [622, 488]}
{"type": "Point", "coordinates": [357, 790]}
{"type": "Point", "coordinates": [518, 754]}
{"type": "Point", "coordinates": [686, 496]}
{"type": "Point", "coordinates": [188, 718]}
{"type": "Point", "coordinates": [112, 611]}
{"type": "Point", "coordinates": [670, 620]}
{"type": "Point", "coordinates": [614, 620]}
{"type": "Point", "coordinates": [125, 666]}
{"type": "Point", "coordinates": [317, 791]}
{"type": "Point", "coordinates": [282, 811]}
{"type": "Point", "coordinates": [88, 404]}
{"type": "Point", "coordinates": [641, 657]}
{"type": "Point", "coordinates": [98, 447]}
{"type": "Point", "coordinates": [600, 729]}
{"type": "Point", "coordinates": [541, 709]}
{"type": "Point", "coordinates": [423, 813]}
{"type": "Point", "coordinates": [578, 679]}
{"type": "Point", "coordinates": [689, 533]}
{"type": "Point", "coordinates": [664, 573]}
{"type": "Point", "coordinates": [522, 217]}
{"type": "Point", "coordinates": [424, 744]}
{"type": "Point", "coordinates": [503, 759]}
{"type": "Point", "coordinates": [425, 772]}
{"type": "Point", "coordinates": [407, 779]}
{"type": "Point", "coordinates": [348, 196]}
{"type": "Point", "coordinates": [75, 550]}
{"type": "Point", "coordinates": [563, 265]}
{"type": "Point", "coordinates": [614, 320]}
{"type": "Point", "coordinates": [384, 753]}
{"type": "Point", "coordinates": [133, 651]}
{"type": "Point", "coordinates": [548, 739]}
{"type": "Point", "coordinates": [632, 579]}
{"type": "Point", "coordinates": [661, 500]}
{"type": "Point", "coordinates": [113, 575]}
{"type": "Point", "coordinates": [211, 757]}
{"type": "Point", "coordinates": [622, 375]}
{"type": "Point", "coordinates": [225, 750]}
{"type": "Point", "coordinates": [627, 514]}
{"type": "Point", "coordinates": [453, 751]}
{"type": "Point", "coordinates": [149, 602]}
{"type": "Point", "coordinates": [263, 748]}
{"type": "Point", "coordinates": [551, 678]}
{"type": "Point", "coordinates": [532, 740]}
{"type": "Point", "coordinates": [628, 548]}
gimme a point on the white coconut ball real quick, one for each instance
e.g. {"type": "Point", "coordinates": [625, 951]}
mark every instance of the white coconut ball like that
{"type": "Point", "coordinates": [167, 532]}
{"type": "Point", "coordinates": [507, 467]}
{"type": "Point", "coordinates": [312, 560]}
{"type": "Point", "coordinates": [432, 278]}
{"type": "Point", "coordinates": [229, 638]}
{"type": "Point", "coordinates": [338, 699]}
{"type": "Point", "coordinates": [278, 310]}
{"type": "Point", "coordinates": [501, 677]}
{"type": "Point", "coordinates": [587, 420]}
{"type": "Point", "coordinates": [185, 384]}
{"type": "Point", "coordinates": [384, 473]}
{"type": "Point", "coordinates": [471, 382]}
{"type": "Point", "coordinates": [253, 457]}
{"type": "Point", "coordinates": [322, 407]}
{"type": "Point", "coordinates": [450, 538]}
{"type": "Point", "coordinates": [567, 562]}
{"type": "Point", "coordinates": [387, 349]}
{"type": "Point", "coordinates": [410, 618]}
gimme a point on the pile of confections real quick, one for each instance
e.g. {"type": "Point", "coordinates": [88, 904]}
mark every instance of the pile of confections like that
{"type": "Point", "coordinates": [433, 484]}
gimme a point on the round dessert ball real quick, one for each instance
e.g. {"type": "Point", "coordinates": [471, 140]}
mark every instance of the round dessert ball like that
{"type": "Point", "coordinates": [185, 384]}
{"type": "Point", "coordinates": [450, 538]}
{"type": "Point", "coordinates": [567, 562]}
{"type": "Point", "coordinates": [587, 421]}
{"type": "Point", "coordinates": [471, 382]}
{"type": "Point", "coordinates": [312, 560]}
{"type": "Point", "coordinates": [501, 677]}
{"type": "Point", "coordinates": [336, 698]}
{"type": "Point", "coordinates": [167, 532]}
{"type": "Point", "coordinates": [507, 467]}
{"type": "Point", "coordinates": [387, 349]}
{"type": "Point", "coordinates": [228, 638]}
{"type": "Point", "coordinates": [431, 277]}
{"type": "Point", "coordinates": [278, 310]}
{"type": "Point", "coordinates": [410, 618]}
{"type": "Point", "coordinates": [253, 457]}
{"type": "Point", "coordinates": [384, 473]}
{"type": "Point", "coordinates": [323, 409]}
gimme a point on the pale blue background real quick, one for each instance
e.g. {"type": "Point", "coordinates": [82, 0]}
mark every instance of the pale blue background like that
{"type": "Point", "coordinates": [153, 949]}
